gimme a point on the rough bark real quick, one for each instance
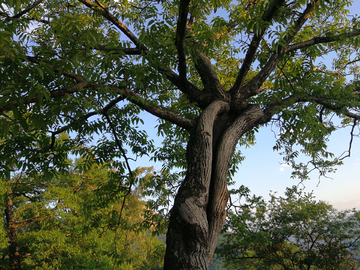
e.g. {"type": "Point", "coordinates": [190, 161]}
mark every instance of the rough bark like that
{"type": "Point", "coordinates": [198, 213]}
{"type": "Point", "coordinates": [14, 255]}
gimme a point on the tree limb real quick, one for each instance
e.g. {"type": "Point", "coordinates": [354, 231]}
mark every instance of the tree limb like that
{"type": "Point", "coordinates": [203, 98]}
{"type": "Point", "coordinates": [111, 18]}
{"type": "Point", "coordinates": [350, 143]}
{"type": "Point", "coordinates": [54, 94]}
{"type": "Point", "coordinates": [29, 221]}
{"type": "Point", "coordinates": [184, 85]}
{"type": "Point", "coordinates": [127, 51]}
{"type": "Point", "coordinates": [74, 76]}
{"type": "Point", "coordinates": [275, 108]}
{"type": "Point", "coordinates": [209, 78]}
{"type": "Point", "coordinates": [180, 37]}
{"type": "Point", "coordinates": [252, 87]}
{"type": "Point", "coordinates": [332, 107]}
{"type": "Point", "coordinates": [26, 10]}
{"type": "Point", "coordinates": [320, 40]}
{"type": "Point", "coordinates": [250, 55]}
{"type": "Point", "coordinates": [154, 110]}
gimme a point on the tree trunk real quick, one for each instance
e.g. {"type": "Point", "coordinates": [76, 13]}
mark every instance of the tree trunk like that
{"type": "Point", "coordinates": [198, 214]}
{"type": "Point", "coordinates": [14, 255]}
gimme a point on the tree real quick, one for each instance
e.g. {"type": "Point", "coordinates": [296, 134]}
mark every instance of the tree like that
{"type": "Point", "coordinates": [211, 72]}
{"type": "Point", "coordinates": [67, 222]}
{"type": "Point", "coordinates": [291, 232]}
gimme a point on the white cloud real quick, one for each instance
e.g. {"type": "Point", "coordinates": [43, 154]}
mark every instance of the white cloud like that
{"type": "Point", "coordinates": [283, 166]}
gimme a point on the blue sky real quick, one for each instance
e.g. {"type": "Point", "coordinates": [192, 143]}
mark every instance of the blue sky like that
{"type": "Point", "coordinates": [263, 171]}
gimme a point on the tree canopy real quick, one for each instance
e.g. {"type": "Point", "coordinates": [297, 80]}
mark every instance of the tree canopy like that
{"type": "Point", "coordinates": [69, 222]}
{"type": "Point", "coordinates": [211, 72]}
{"type": "Point", "coordinates": [290, 232]}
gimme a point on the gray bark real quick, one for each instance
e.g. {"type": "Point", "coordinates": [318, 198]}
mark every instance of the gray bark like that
{"type": "Point", "coordinates": [199, 213]}
{"type": "Point", "coordinates": [14, 255]}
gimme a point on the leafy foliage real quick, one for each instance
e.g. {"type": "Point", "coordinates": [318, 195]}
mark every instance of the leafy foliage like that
{"type": "Point", "coordinates": [68, 221]}
{"type": "Point", "coordinates": [78, 76]}
{"type": "Point", "coordinates": [291, 232]}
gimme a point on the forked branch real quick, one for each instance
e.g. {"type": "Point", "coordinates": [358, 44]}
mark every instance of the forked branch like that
{"type": "Point", "coordinates": [252, 87]}
{"type": "Point", "coordinates": [250, 55]}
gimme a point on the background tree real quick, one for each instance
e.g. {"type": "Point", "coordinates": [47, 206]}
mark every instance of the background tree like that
{"type": "Point", "coordinates": [211, 72]}
{"type": "Point", "coordinates": [291, 232]}
{"type": "Point", "coordinates": [68, 222]}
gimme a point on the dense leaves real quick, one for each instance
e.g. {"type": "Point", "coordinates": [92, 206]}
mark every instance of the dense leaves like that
{"type": "Point", "coordinates": [68, 222]}
{"type": "Point", "coordinates": [79, 77]}
{"type": "Point", "coordinates": [291, 232]}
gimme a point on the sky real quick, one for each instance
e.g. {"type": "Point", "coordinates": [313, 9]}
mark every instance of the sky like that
{"type": "Point", "coordinates": [263, 170]}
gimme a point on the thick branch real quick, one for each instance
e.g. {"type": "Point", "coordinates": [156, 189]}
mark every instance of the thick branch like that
{"type": "Point", "coordinates": [219, 193]}
{"type": "Point", "coordinates": [180, 37]}
{"type": "Point", "coordinates": [250, 55]}
{"type": "Point", "coordinates": [252, 87]}
{"type": "Point", "coordinates": [209, 78]}
{"type": "Point", "coordinates": [277, 107]}
{"type": "Point", "coordinates": [319, 40]}
{"type": "Point", "coordinates": [195, 94]}
{"type": "Point", "coordinates": [157, 111]}
{"type": "Point", "coordinates": [178, 80]}
{"type": "Point", "coordinates": [125, 92]}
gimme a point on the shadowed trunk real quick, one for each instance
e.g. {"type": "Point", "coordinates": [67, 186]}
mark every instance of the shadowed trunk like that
{"type": "Point", "coordinates": [14, 256]}
{"type": "Point", "coordinates": [198, 214]}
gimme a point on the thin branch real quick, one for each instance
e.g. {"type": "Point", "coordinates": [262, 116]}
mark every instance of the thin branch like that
{"type": "Point", "coordinates": [111, 18]}
{"type": "Point", "coordinates": [127, 51]}
{"type": "Point", "coordinates": [316, 68]}
{"type": "Point", "coordinates": [350, 143]}
{"type": "Point", "coordinates": [332, 107]}
{"type": "Point", "coordinates": [26, 10]}
{"type": "Point", "coordinates": [83, 118]}
{"type": "Point", "coordinates": [117, 141]}
{"type": "Point", "coordinates": [131, 175]}
{"type": "Point", "coordinates": [29, 221]}
{"type": "Point", "coordinates": [71, 75]}
{"type": "Point", "coordinates": [53, 94]}
{"type": "Point", "coordinates": [320, 40]}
